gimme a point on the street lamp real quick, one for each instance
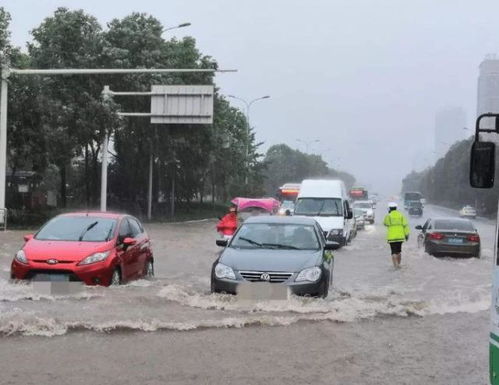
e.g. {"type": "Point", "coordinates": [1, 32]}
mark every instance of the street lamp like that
{"type": "Point", "coordinates": [248, 125]}
{"type": "Point", "coordinates": [307, 143]}
{"type": "Point", "coordinates": [177, 26]}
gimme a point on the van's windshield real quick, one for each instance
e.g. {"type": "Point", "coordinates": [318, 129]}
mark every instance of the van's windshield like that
{"type": "Point", "coordinates": [324, 207]}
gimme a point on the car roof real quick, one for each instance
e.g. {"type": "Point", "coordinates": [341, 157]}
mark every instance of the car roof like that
{"type": "Point", "coordinates": [290, 220]}
{"type": "Point", "coordinates": [451, 219]}
{"type": "Point", "coordinates": [96, 214]}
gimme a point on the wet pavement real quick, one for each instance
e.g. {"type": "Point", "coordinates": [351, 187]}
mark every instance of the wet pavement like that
{"type": "Point", "coordinates": [427, 323]}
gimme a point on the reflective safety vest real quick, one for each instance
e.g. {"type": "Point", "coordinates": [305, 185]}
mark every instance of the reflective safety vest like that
{"type": "Point", "coordinates": [397, 226]}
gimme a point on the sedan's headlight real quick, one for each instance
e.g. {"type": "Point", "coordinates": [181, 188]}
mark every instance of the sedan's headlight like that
{"type": "Point", "coordinates": [334, 233]}
{"type": "Point", "coordinates": [21, 257]}
{"type": "Point", "coordinates": [97, 257]}
{"type": "Point", "coordinates": [311, 274]}
{"type": "Point", "coordinates": [223, 271]}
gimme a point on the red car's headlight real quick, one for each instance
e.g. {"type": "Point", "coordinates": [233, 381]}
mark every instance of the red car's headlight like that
{"type": "Point", "coordinates": [97, 257]}
{"type": "Point", "coordinates": [21, 257]}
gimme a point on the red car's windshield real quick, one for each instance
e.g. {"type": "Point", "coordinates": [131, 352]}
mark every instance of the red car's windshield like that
{"type": "Point", "coordinates": [77, 228]}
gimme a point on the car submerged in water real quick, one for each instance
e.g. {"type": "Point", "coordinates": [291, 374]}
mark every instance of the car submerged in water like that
{"type": "Point", "coordinates": [284, 250]}
{"type": "Point", "coordinates": [95, 248]}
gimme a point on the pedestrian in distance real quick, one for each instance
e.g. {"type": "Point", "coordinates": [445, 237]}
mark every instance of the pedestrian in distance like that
{"type": "Point", "coordinates": [397, 232]}
{"type": "Point", "coordinates": [227, 225]}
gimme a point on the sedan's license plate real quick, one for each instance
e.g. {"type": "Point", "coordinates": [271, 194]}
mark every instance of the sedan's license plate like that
{"type": "Point", "coordinates": [51, 277]}
{"type": "Point", "coordinates": [455, 241]}
{"type": "Point", "coordinates": [262, 291]}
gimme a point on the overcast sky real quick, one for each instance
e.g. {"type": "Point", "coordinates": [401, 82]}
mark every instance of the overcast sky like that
{"type": "Point", "coordinates": [365, 77]}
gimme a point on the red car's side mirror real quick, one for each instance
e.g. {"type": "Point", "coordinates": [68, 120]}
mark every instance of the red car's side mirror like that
{"type": "Point", "coordinates": [129, 241]}
{"type": "Point", "coordinates": [28, 237]}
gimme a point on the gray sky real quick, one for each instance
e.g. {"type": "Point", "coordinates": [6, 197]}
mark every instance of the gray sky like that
{"type": "Point", "coordinates": [364, 77]}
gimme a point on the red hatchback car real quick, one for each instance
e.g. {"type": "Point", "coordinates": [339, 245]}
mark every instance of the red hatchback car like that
{"type": "Point", "coordinates": [95, 248]}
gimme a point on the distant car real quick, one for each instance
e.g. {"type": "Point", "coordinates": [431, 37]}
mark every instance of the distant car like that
{"type": "Point", "coordinates": [468, 212]}
{"type": "Point", "coordinates": [286, 208]}
{"type": "Point", "coordinates": [415, 209]}
{"type": "Point", "coordinates": [449, 236]}
{"type": "Point", "coordinates": [368, 209]}
{"type": "Point", "coordinates": [359, 218]}
{"type": "Point", "coordinates": [95, 248]}
{"type": "Point", "coordinates": [279, 250]}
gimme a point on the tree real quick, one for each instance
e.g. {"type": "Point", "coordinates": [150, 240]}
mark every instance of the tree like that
{"type": "Point", "coordinates": [70, 39]}
{"type": "Point", "coordinates": [447, 182]}
{"type": "Point", "coordinates": [283, 165]}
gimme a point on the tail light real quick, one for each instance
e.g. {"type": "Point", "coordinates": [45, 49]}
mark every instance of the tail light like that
{"type": "Point", "coordinates": [436, 236]}
{"type": "Point", "coordinates": [474, 238]}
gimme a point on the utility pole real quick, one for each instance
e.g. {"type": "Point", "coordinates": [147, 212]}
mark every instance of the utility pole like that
{"type": "Point", "coordinates": [248, 127]}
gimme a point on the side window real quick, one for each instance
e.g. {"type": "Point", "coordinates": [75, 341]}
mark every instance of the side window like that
{"type": "Point", "coordinates": [124, 230]}
{"type": "Point", "coordinates": [320, 234]}
{"type": "Point", "coordinates": [346, 207]}
{"type": "Point", "coordinates": [134, 227]}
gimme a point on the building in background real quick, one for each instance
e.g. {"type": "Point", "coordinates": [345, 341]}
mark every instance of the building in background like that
{"type": "Point", "coordinates": [450, 124]}
{"type": "Point", "coordinates": [488, 86]}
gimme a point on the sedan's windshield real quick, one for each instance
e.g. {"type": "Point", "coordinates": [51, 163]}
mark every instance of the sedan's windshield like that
{"type": "Point", "coordinates": [362, 205]}
{"type": "Point", "coordinates": [358, 212]}
{"type": "Point", "coordinates": [276, 236]}
{"type": "Point", "coordinates": [319, 207]}
{"type": "Point", "coordinates": [449, 224]}
{"type": "Point", "coordinates": [77, 228]}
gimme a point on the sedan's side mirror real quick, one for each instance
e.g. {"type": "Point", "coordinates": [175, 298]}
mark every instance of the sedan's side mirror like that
{"type": "Point", "coordinates": [222, 242]}
{"type": "Point", "coordinates": [419, 227]}
{"type": "Point", "coordinates": [330, 245]}
{"type": "Point", "coordinates": [128, 241]}
{"type": "Point", "coordinates": [28, 237]}
{"type": "Point", "coordinates": [482, 164]}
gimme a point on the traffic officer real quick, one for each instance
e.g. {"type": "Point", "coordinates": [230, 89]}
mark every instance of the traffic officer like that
{"type": "Point", "coordinates": [397, 232]}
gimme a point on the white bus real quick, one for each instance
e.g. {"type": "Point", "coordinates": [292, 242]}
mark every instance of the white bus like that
{"type": "Point", "coordinates": [482, 173]}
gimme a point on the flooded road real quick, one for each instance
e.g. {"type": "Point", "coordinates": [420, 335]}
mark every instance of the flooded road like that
{"type": "Point", "coordinates": [427, 323]}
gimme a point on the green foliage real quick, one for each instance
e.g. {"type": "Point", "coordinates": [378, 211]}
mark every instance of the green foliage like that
{"type": "Point", "coordinates": [285, 165]}
{"type": "Point", "coordinates": [58, 122]}
{"type": "Point", "coordinates": [447, 182]}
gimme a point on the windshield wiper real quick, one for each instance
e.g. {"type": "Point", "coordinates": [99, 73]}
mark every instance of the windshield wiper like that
{"type": "Point", "coordinates": [89, 227]}
{"type": "Point", "coordinates": [109, 233]}
{"type": "Point", "coordinates": [280, 246]}
{"type": "Point", "coordinates": [251, 241]}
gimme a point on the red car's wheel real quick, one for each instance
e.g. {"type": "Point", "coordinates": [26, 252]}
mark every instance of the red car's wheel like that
{"type": "Point", "coordinates": [116, 277]}
{"type": "Point", "coordinates": [149, 269]}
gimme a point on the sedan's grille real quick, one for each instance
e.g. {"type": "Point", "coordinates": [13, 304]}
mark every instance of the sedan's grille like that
{"type": "Point", "coordinates": [259, 276]}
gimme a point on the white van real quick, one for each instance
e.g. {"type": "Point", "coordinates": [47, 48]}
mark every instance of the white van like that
{"type": "Point", "coordinates": [327, 202]}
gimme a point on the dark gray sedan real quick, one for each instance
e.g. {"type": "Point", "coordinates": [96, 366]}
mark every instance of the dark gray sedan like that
{"type": "Point", "coordinates": [449, 236]}
{"type": "Point", "coordinates": [290, 251]}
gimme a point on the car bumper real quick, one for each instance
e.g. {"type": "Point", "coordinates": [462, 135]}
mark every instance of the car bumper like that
{"type": "Point", "coordinates": [296, 288]}
{"type": "Point", "coordinates": [99, 273]}
{"type": "Point", "coordinates": [339, 239]}
{"type": "Point", "coordinates": [443, 248]}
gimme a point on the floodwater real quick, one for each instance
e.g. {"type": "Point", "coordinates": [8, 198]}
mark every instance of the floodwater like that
{"type": "Point", "coordinates": [426, 323]}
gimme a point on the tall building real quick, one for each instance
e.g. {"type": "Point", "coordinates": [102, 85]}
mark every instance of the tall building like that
{"type": "Point", "coordinates": [450, 126]}
{"type": "Point", "coordinates": [488, 86]}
